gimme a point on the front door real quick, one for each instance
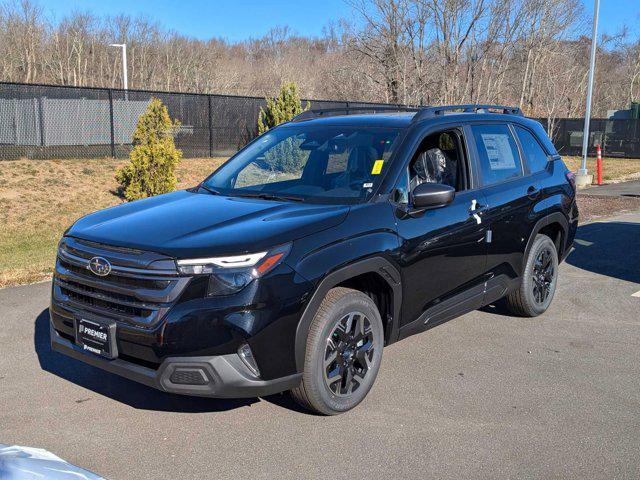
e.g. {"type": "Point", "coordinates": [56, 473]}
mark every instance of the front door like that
{"type": "Point", "coordinates": [442, 251]}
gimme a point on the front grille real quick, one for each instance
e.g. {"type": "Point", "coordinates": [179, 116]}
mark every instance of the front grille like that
{"type": "Point", "coordinates": [111, 302]}
{"type": "Point", "coordinates": [134, 291]}
{"type": "Point", "coordinates": [118, 279]}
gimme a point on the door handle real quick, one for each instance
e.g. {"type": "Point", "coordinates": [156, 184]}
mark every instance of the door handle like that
{"type": "Point", "coordinates": [477, 207]}
{"type": "Point", "coordinates": [533, 192]}
{"type": "Point", "coordinates": [476, 210]}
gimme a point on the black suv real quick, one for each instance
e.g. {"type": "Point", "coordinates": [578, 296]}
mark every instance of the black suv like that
{"type": "Point", "coordinates": [320, 242]}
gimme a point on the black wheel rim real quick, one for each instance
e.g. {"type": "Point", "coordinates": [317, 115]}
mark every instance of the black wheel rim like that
{"type": "Point", "coordinates": [543, 275]}
{"type": "Point", "coordinates": [349, 354]}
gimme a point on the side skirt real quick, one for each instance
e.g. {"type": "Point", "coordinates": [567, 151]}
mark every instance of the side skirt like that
{"type": "Point", "coordinates": [461, 303]}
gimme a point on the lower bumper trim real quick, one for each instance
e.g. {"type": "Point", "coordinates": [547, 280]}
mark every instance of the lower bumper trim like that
{"type": "Point", "coordinates": [225, 376]}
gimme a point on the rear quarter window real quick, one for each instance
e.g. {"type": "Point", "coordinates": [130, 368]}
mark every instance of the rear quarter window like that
{"type": "Point", "coordinates": [534, 154]}
{"type": "Point", "coordinates": [544, 139]}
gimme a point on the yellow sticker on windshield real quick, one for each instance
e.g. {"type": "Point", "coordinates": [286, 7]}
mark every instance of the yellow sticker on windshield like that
{"type": "Point", "coordinates": [377, 167]}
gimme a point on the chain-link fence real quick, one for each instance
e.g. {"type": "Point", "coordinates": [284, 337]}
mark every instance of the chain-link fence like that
{"type": "Point", "coordinates": [46, 121]}
{"type": "Point", "coordinates": [617, 137]}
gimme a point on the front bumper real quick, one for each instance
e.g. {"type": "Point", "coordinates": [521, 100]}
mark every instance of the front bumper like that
{"type": "Point", "coordinates": [221, 376]}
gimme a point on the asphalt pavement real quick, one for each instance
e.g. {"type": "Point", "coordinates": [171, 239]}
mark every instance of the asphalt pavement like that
{"type": "Point", "coordinates": [621, 189]}
{"type": "Point", "coordinates": [482, 396]}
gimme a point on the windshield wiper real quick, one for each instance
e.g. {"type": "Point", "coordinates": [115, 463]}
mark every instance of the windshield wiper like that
{"type": "Point", "coordinates": [263, 195]}
{"type": "Point", "coordinates": [270, 196]}
{"type": "Point", "coordinates": [210, 190]}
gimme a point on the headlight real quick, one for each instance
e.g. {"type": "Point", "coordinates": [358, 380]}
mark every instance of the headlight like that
{"type": "Point", "coordinates": [198, 266]}
{"type": "Point", "coordinates": [231, 274]}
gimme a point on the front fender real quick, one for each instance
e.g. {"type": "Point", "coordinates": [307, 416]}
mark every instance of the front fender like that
{"type": "Point", "coordinates": [364, 243]}
{"type": "Point", "coordinates": [378, 264]}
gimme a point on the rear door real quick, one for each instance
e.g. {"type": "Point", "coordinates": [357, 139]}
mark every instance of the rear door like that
{"type": "Point", "coordinates": [510, 196]}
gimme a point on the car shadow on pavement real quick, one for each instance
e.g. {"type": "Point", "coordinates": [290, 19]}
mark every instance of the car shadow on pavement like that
{"type": "Point", "coordinates": [608, 248]}
{"type": "Point", "coordinates": [605, 248]}
{"type": "Point", "coordinates": [120, 389]}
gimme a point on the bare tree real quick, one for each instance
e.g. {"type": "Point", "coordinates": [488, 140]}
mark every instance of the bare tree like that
{"type": "Point", "coordinates": [532, 53]}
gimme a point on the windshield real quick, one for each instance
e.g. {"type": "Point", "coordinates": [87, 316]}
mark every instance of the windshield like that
{"type": "Point", "coordinates": [336, 164]}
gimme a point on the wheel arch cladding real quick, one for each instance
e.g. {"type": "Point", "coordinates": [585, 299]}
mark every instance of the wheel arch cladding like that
{"type": "Point", "coordinates": [377, 277]}
{"type": "Point", "coordinates": [557, 235]}
{"type": "Point", "coordinates": [556, 227]}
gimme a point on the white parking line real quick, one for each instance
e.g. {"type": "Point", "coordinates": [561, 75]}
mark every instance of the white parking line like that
{"type": "Point", "coordinates": [637, 294]}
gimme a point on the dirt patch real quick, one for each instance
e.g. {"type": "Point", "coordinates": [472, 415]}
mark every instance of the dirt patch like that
{"type": "Point", "coordinates": [593, 207]}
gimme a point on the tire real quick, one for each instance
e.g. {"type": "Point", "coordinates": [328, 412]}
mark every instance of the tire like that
{"type": "Point", "coordinates": [341, 363]}
{"type": "Point", "coordinates": [538, 284]}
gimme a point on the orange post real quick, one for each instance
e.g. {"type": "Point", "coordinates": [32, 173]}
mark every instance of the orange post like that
{"type": "Point", "coordinates": [599, 163]}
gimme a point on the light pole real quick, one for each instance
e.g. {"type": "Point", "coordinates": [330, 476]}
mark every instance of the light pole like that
{"type": "Point", "coordinates": [124, 63]}
{"type": "Point", "coordinates": [582, 178]}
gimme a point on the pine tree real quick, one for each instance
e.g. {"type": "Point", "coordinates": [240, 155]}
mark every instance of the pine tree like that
{"type": "Point", "coordinates": [154, 158]}
{"type": "Point", "coordinates": [282, 108]}
{"type": "Point", "coordinates": [285, 156]}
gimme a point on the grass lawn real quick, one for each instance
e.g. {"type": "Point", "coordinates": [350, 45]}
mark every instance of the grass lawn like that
{"type": "Point", "coordinates": [39, 199]}
{"type": "Point", "coordinates": [613, 169]}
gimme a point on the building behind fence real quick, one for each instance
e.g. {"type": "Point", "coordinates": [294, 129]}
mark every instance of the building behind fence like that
{"type": "Point", "coordinates": [46, 121]}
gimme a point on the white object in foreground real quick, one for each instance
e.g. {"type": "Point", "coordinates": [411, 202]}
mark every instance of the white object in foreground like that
{"type": "Point", "coordinates": [21, 463]}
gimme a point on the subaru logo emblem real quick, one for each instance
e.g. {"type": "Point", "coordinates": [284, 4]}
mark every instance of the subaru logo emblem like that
{"type": "Point", "coordinates": [100, 266]}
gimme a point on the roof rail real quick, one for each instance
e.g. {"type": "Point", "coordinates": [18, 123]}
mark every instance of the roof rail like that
{"type": "Point", "coordinates": [431, 112]}
{"type": "Point", "coordinates": [330, 112]}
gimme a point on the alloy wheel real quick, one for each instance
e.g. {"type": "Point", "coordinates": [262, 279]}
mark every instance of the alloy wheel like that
{"type": "Point", "coordinates": [348, 354]}
{"type": "Point", "coordinates": [543, 275]}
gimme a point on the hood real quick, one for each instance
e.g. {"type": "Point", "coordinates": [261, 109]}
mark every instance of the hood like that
{"type": "Point", "coordinates": [185, 224]}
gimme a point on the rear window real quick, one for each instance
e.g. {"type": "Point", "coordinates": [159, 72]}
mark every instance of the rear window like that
{"type": "Point", "coordinates": [499, 157]}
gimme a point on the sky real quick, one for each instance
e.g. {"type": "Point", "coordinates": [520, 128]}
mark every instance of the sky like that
{"type": "Point", "coordinates": [237, 20]}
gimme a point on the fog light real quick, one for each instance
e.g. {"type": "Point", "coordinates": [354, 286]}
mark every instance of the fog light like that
{"type": "Point", "coordinates": [246, 355]}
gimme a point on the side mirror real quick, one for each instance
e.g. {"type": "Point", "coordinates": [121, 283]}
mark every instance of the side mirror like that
{"type": "Point", "coordinates": [432, 195]}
